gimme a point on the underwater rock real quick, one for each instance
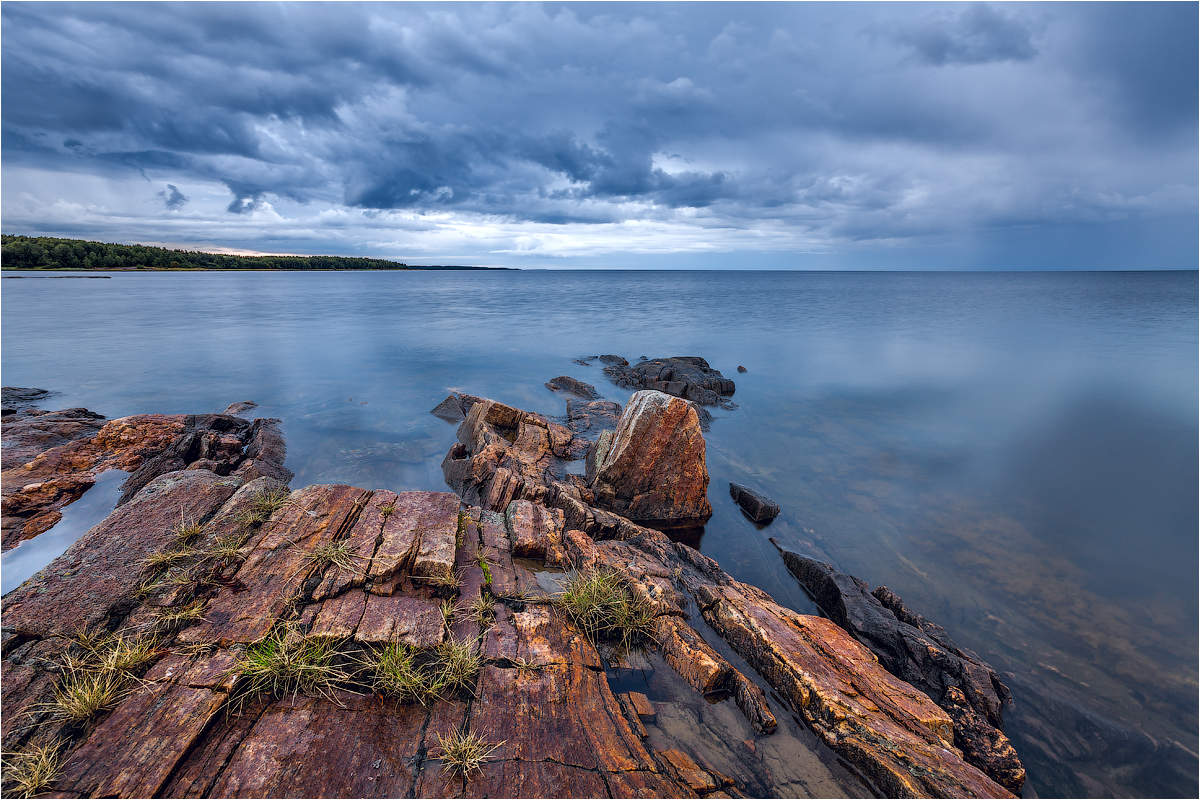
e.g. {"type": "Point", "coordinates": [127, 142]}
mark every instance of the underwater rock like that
{"type": "Point", "coordinates": [758, 507]}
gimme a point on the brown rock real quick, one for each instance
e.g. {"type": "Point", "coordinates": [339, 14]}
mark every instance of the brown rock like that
{"type": "Point", "coordinates": [652, 469]}
{"type": "Point", "coordinates": [565, 383]}
{"type": "Point", "coordinates": [100, 572]}
{"type": "Point", "coordinates": [922, 653]}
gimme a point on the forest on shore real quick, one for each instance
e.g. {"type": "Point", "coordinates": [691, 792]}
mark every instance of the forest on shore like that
{"type": "Point", "coordinates": [48, 253]}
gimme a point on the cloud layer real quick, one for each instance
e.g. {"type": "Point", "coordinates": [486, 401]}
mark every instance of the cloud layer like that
{"type": "Point", "coordinates": [776, 135]}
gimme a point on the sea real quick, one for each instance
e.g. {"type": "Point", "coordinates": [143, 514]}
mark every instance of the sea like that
{"type": "Point", "coordinates": [1013, 453]}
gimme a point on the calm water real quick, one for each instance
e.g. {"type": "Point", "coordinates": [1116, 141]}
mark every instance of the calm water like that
{"type": "Point", "coordinates": [1015, 454]}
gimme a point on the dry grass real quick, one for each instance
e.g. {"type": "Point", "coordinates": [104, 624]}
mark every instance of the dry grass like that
{"type": "Point", "coordinates": [30, 772]}
{"type": "Point", "coordinates": [464, 753]}
{"type": "Point", "coordinates": [443, 583]}
{"type": "Point", "coordinates": [186, 530]}
{"type": "Point", "coordinates": [82, 693]}
{"type": "Point", "coordinates": [334, 554]}
{"type": "Point", "coordinates": [457, 664]}
{"type": "Point", "coordinates": [170, 619]}
{"type": "Point", "coordinates": [483, 610]}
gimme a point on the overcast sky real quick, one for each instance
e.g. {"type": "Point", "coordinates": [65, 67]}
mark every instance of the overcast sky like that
{"type": "Point", "coordinates": [624, 135]}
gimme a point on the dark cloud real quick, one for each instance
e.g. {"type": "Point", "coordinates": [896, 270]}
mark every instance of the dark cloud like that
{"type": "Point", "coordinates": [789, 127]}
{"type": "Point", "coordinates": [173, 199]}
{"type": "Point", "coordinates": [976, 35]}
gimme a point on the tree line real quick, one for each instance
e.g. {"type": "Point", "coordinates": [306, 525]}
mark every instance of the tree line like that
{"type": "Point", "coordinates": [46, 252]}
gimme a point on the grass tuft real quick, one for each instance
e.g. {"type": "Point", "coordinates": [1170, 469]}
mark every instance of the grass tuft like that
{"type": "Point", "coordinates": [464, 752]}
{"type": "Point", "coordinates": [483, 611]}
{"type": "Point", "coordinates": [186, 530]}
{"type": "Point", "coordinates": [393, 671]}
{"type": "Point", "coordinates": [600, 602]}
{"type": "Point", "coordinates": [180, 617]}
{"type": "Point", "coordinates": [30, 772]}
{"type": "Point", "coordinates": [82, 693]}
{"type": "Point", "coordinates": [334, 554]}
{"type": "Point", "coordinates": [443, 583]}
{"type": "Point", "coordinates": [457, 664]}
{"type": "Point", "coordinates": [387, 510]}
{"type": "Point", "coordinates": [279, 664]}
{"type": "Point", "coordinates": [268, 501]}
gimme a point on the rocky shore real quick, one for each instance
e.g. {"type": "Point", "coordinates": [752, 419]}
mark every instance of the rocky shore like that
{"type": "Point", "coordinates": [537, 632]}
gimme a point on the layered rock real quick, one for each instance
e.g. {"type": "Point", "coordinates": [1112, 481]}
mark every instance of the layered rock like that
{"type": "Point", "coordinates": [689, 377]}
{"type": "Point", "coordinates": [52, 458]}
{"type": "Point", "coordinates": [892, 732]}
{"type": "Point", "coordinates": [651, 469]}
{"type": "Point", "coordinates": [923, 654]}
{"type": "Point", "coordinates": [421, 569]}
{"type": "Point", "coordinates": [591, 418]}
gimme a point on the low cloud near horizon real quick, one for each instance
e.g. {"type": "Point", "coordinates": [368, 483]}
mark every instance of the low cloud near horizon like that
{"type": "Point", "coordinates": [721, 135]}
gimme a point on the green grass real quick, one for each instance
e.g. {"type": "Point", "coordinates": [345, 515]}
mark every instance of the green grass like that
{"type": "Point", "coordinates": [30, 772]}
{"type": "Point", "coordinates": [464, 753]}
{"type": "Point", "coordinates": [393, 671]}
{"type": "Point", "coordinates": [600, 602]}
{"type": "Point", "coordinates": [487, 569]}
{"type": "Point", "coordinates": [456, 664]}
{"type": "Point", "coordinates": [279, 664]}
{"type": "Point", "coordinates": [387, 510]}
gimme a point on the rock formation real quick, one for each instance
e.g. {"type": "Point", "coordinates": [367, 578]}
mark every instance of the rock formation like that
{"type": "Point", "coordinates": [689, 377]}
{"type": "Point", "coordinates": [651, 469]}
{"type": "Point", "coordinates": [209, 574]}
{"type": "Point", "coordinates": [921, 653]}
{"type": "Point", "coordinates": [52, 457]}
{"type": "Point", "coordinates": [758, 507]}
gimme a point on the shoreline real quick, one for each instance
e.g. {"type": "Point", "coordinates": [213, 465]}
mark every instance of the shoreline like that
{"type": "Point", "coordinates": [511, 543]}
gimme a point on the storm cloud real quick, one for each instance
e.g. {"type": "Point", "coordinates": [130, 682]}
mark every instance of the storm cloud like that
{"type": "Point", "coordinates": [706, 135]}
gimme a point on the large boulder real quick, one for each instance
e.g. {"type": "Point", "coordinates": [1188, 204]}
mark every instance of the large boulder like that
{"type": "Point", "coordinates": [651, 470]}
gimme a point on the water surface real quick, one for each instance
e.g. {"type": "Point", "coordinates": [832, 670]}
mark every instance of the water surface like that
{"type": "Point", "coordinates": [1015, 454]}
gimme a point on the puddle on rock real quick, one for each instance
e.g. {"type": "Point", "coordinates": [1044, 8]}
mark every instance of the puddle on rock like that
{"type": "Point", "coordinates": [23, 561]}
{"type": "Point", "coordinates": [791, 762]}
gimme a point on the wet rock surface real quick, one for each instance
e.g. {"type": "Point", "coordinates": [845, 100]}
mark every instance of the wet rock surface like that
{"type": "Point", "coordinates": [52, 457]}
{"type": "Point", "coordinates": [689, 377]}
{"type": "Point", "coordinates": [590, 418]}
{"type": "Point", "coordinates": [921, 653]}
{"type": "Point", "coordinates": [758, 507]}
{"type": "Point", "coordinates": [455, 407]}
{"type": "Point", "coordinates": [652, 469]}
{"type": "Point", "coordinates": [14, 398]}
{"type": "Point", "coordinates": [726, 694]}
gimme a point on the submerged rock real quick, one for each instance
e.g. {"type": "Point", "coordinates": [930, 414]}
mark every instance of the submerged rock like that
{"type": "Point", "coordinates": [689, 377]}
{"type": "Point", "coordinates": [922, 653]}
{"type": "Point", "coordinates": [240, 406]}
{"type": "Point", "coordinates": [651, 469]}
{"type": "Point", "coordinates": [565, 383]}
{"type": "Point", "coordinates": [590, 418]}
{"type": "Point", "coordinates": [14, 398]}
{"type": "Point", "coordinates": [758, 507]}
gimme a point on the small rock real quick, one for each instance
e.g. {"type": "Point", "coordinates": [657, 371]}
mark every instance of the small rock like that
{"type": "Point", "coordinates": [455, 407]}
{"type": "Point", "coordinates": [689, 377]}
{"type": "Point", "coordinates": [239, 407]}
{"type": "Point", "coordinates": [642, 705]}
{"type": "Point", "coordinates": [741, 368]}
{"type": "Point", "coordinates": [565, 383]}
{"type": "Point", "coordinates": [758, 507]}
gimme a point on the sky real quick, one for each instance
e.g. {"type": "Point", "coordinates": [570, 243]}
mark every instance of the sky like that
{"type": "Point", "coordinates": [713, 135]}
